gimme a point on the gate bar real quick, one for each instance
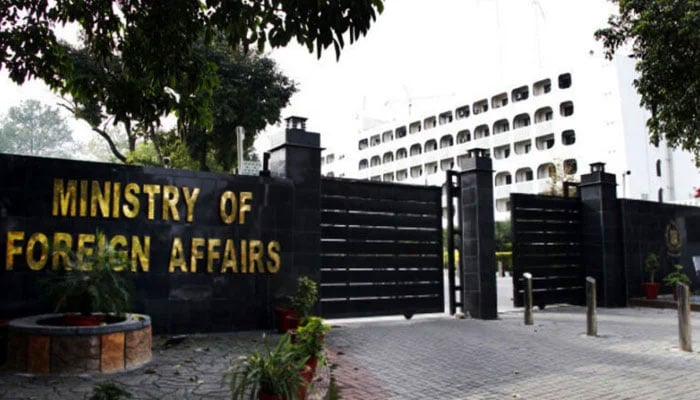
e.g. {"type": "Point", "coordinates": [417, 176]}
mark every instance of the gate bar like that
{"type": "Point", "coordinates": [451, 191]}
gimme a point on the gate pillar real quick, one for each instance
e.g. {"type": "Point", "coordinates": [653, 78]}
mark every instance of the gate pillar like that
{"type": "Point", "coordinates": [600, 221]}
{"type": "Point", "coordinates": [477, 252]}
{"type": "Point", "coordinates": [296, 155]}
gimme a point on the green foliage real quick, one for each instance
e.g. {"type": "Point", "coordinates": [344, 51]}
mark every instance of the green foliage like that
{"type": "Point", "coordinates": [309, 339]}
{"type": "Point", "coordinates": [139, 60]}
{"type": "Point", "coordinates": [651, 264]}
{"type": "Point", "coordinates": [304, 298]}
{"type": "Point", "coordinates": [664, 36]}
{"type": "Point", "coordinates": [506, 257]}
{"type": "Point", "coordinates": [677, 276]}
{"type": "Point", "coordinates": [274, 372]}
{"type": "Point", "coordinates": [502, 231]}
{"type": "Point", "coordinates": [91, 282]}
{"type": "Point", "coordinates": [35, 129]}
{"type": "Point", "coordinates": [109, 391]}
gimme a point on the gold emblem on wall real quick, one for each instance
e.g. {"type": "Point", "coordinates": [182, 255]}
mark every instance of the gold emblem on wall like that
{"type": "Point", "coordinates": [673, 240]}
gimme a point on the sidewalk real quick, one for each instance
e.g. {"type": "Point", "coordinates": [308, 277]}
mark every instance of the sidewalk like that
{"type": "Point", "coordinates": [437, 357]}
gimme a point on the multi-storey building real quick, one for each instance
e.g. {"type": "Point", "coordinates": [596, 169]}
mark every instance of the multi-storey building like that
{"type": "Point", "coordinates": [551, 123]}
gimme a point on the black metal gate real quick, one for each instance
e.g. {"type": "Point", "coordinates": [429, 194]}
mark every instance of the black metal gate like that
{"type": "Point", "coordinates": [546, 236]}
{"type": "Point", "coordinates": [381, 249]}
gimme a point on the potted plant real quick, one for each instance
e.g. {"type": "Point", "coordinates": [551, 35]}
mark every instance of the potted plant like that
{"type": "Point", "coordinates": [651, 288]}
{"type": "Point", "coordinates": [270, 375]}
{"type": "Point", "coordinates": [309, 340]}
{"type": "Point", "coordinates": [303, 301]}
{"type": "Point", "coordinates": [676, 277]}
{"type": "Point", "coordinates": [91, 284]}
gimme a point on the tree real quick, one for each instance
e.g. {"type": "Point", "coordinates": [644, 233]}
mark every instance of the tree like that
{"type": "Point", "coordinates": [665, 40]}
{"type": "Point", "coordinates": [35, 129]}
{"type": "Point", "coordinates": [138, 51]}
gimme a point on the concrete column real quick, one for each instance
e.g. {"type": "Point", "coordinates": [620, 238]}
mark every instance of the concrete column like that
{"type": "Point", "coordinates": [601, 225]}
{"type": "Point", "coordinates": [477, 253]}
{"type": "Point", "coordinates": [296, 155]}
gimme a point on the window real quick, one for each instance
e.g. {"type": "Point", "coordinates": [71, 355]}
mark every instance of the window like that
{"type": "Point", "coordinates": [387, 136]}
{"type": "Point", "coordinates": [481, 131]}
{"type": "Point", "coordinates": [501, 152]}
{"type": "Point", "coordinates": [501, 126]}
{"type": "Point", "coordinates": [414, 127]}
{"type": "Point", "coordinates": [499, 100]}
{"type": "Point", "coordinates": [503, 205]}
{"type": "Point", "coordinates": [566, 108]}
{"type": "Point", "coordinates": [520, 94]}
{"type": "Point", "coordinates": [330, 174]}
{"type": "Point", "coordinates": [446, 164]}
{"type": "Point", "coordinates": [462, 160]}
{"type": "Point", "coordinates": [430, 145]}
{"type": "Point", "coordinates": [375, 140]}
{"type": "Point", "coordinates": [400, 132]}
{"type": "Point", "coordinates": [462, 112]}
{"type": "Point", "coordinates": [522, 147]}
{"type": "Point", "coordinates": [521, 121]}
{"type": "Point", "coordinates": [661, 195]}
{"type": "Point", "coordinates": [503, 178]}
{"type": "Point", "coordinates": [564, 81]}
{"type": "Point", "coordinates": [568, 137]}
{"type": "Point", "coordinates": [445, 118]}
{"type": "Point", "coordinates": [388, 177]}
{"type": "Point", "coordinates": [363, 164]}
{"type": "Point", "coordinates": [523, 175]}
{"type": "Point", "coordinates": [543, 114]}
{"type": "Point", "coordinates": [374, 161]}
{"type": "Point", "coordinates": [416, 171]}
{"type": "Point", "coordinates": [376, 178]}
{"type": "Point", "coordinates": [401, 153]}
{"type": "Point", "coordinates": [330, 158]}
{"type": "Point", "coordinates": [363, 144]}
{"type": "Point", "coordinates": [658, 168]}
{"type": "Point", "coordinates": [464, 136]}
{"type": "Point", "coordinates": [446, 141]}
{"type": "Point", "coordinates": [401, 175]}
{"type": "Point", "coordinates": [480, 106]}
{"type": "Point", "coordinates": [545, 142]}
{"type": "Point", "coordinates": [431, 168]}
{"type": "Point", "coordinates": [415, 150]}
{"type": "Point", "coordinates": [570, 166]}
{"type": "Point", "coordinates": [323, 160]}
{"type": "Point", "coordinates": [387, 157]}
{"type": "Point", "coordinates": [542, 87]}
{"type": "Point", "coordinates": [429, 123]}
{"type": "Point", "coordinates": [546, 170]}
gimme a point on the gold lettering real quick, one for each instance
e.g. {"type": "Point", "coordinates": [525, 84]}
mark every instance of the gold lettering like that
{"type": "Point", "coordinates": [100, 198]}
{"type": "Point", "coordinates": [196, 253]}
{"type": "Point", "coordinates": [151, 191]}
{"type": "Point", "coordinates": [177, 256]}
{"type": "Point", "coordinates": [244, 255]}
{"type": "Point", "coordinates": [229, 261]}
{"type": "Point", "coordinates": [140, 253]}
{"type": "Point", "coordinates": [228, 197]}
{"type": "Point", "coordinates": [84, 240]}
{"type": "Point", "coordinates": [255, 256]}
{"type": "Point", "coordinates": [43, 241]}
{"type": "Point", "coordinates": [244, 206]}
{"type": "Point", "coordinates": [170, 198]}
{"type": "Point", "coordinates": [190, 199]}
{"type": "Point", "coordinates": [118, 244]}
{"type": "Point", "coordinates": [13, 249]}
{"type": "Point", "coordinates": [130, 192]}
{"type": "Point", "coordinates": [212, 253]}
{"type": "Point", "coordinates": [116, 186]}
{"type": "Point", "coordinates": [83, 198]}
{"type": "Point", "coordinates": [273, 253]}
{"type": "Point", "coordinates": [62, 243]}
{"type": "Point", "coordinates": [64, 198]}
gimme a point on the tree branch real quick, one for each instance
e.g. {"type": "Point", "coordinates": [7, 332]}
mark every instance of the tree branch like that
{"type": "Point", "coordinates": [101, 132]}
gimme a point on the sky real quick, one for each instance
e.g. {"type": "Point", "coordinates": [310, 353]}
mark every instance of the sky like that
{"type": "Point", "coordinates": [422, 53]}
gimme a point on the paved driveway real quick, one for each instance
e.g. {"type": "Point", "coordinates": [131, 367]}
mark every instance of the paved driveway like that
{"type": "Point", "coordinates": [441, 358]}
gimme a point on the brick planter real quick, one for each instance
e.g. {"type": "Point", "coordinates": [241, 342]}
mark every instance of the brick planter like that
{"type": "Point", "coordinates": [37, 348]}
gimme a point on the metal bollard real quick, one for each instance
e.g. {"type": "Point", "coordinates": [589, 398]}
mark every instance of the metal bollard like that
{"type": "Point", "coordinates": [684, 338]}
{"type": "Point", "coordinates": [591, 313]}
{"type": "Point", "coordinates": [528, 298]}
